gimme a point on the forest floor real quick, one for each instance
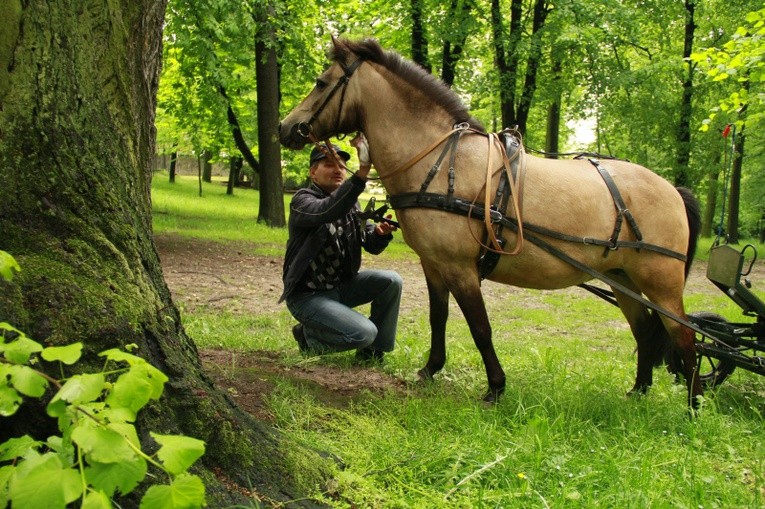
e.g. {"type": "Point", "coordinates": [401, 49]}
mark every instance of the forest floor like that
{"type": "Point", "coordinates": [226, 277]}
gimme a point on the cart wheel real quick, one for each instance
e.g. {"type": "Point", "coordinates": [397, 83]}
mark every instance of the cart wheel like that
{"type": "Point", "coordinates": [712, 371]}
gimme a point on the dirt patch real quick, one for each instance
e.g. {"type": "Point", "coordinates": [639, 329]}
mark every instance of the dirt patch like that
{"type": "Point", "coordinates": [228, 277]}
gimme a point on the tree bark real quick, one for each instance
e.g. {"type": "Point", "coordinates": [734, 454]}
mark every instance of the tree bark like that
{"type": "Point", "coordinates": [76, 149]}
{"type": "Point", "coordinates": [271, 210]}
{"type": "Point", "coordinates": [735, 184]}
{"type": "Point", "coordinates": [206, 166]}
{"type": "Point", "coordinates": [173, 164]}
{"type": "Point", "coordinates": [686, 105]}
{"type": "Point", "coordinates": [419, 37]}
{"type": "Point", "coordinates": [532, 65]}
{"type": "Point", "coordinates": [552, 140]}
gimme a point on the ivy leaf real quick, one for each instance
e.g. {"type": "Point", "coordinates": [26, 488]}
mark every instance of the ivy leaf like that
{"type": "Point", "coordinates": [96, 500]}
{"type": "Point", "coordinates": [185, 492]}
{"type": "Point", "coordinates": [9, 400]}
{"type": "Point", "coordinates": [110, 477]}
{"type": "Point", "coordinates": [68, 354]}
{"type": "Point", "coordinates": [81, 388]}
{"type": "Point", "coordinates": [20, 350]}
{"type": "Point", "coordinates": [43, 481]}
{"type": "Point", "coordinates": [102, 444]}
{"type": "Point", "coordinates": [28, 381]}
{"type": "Point", "coordinates": [178, 452]}
{"type": "Point", "coordinates": [17, 448]}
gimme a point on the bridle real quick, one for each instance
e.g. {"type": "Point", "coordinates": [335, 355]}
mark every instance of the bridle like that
{"type": "Point", "coordinates": [305, 129]}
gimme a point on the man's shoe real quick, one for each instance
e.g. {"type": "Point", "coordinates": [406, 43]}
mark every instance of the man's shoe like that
{"type": "Point", "coordinates": [369, 356]}
{"type": "Point", "coordinates": [299, 335]}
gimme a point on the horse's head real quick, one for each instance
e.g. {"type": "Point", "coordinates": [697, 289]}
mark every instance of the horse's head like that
{"type": "Point", "coordinates": [331, 108]}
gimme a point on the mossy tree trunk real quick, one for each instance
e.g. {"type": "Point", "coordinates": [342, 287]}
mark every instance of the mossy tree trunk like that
{"type": "Point", "coordinates": [78, 87]}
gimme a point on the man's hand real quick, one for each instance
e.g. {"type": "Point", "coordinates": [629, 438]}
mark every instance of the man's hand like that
{"type": "Point", "coordinates": [384, 228]}
{"type": "Point", "coordinates": [362, 147]}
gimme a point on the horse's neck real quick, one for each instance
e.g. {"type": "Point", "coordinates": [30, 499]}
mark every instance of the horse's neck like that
{"type": "Point", "coordinates": [399, 126]}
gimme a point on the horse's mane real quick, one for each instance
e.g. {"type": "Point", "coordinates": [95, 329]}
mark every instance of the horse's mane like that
{"type": "Point", "coordinates": [432, 87]}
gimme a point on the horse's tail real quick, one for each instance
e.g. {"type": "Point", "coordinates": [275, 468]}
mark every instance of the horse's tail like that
{"type": "Point", "coordinates": [693, 212]}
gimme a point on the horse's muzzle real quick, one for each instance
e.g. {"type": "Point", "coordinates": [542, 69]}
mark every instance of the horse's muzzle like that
{"type": "Point", "coordinates": [294, 137]}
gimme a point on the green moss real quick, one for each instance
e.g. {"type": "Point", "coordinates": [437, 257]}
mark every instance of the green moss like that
{"type": "Point", "coordinates": [10, 14]}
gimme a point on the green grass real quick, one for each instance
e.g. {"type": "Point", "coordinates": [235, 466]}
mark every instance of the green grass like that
{"type": "Point", "coordinates": [563, 436]}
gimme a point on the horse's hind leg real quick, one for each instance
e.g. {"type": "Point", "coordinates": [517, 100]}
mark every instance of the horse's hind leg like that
{"type": "Point", "coordinates": [438, 295]}
{"type": "Point", "coordinates": [656, 334]}
{"type": "Point", "coordinates": [651, 338]}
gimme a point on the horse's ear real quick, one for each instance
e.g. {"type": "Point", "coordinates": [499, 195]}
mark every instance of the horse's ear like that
{"type": "Point", "coordinates": [339, 49]}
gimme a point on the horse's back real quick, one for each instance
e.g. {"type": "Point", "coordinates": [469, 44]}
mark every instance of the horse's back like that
{"type": "Point", "coordinates": [572, 198]}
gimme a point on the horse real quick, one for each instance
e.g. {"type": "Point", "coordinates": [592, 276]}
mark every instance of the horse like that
{"type": "Point", "coordinates": [407, 114]}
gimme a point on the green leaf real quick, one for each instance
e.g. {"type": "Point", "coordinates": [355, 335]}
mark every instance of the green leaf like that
{"type": "Point", "coordinates": [185, 492]}
{"type": "Point", "coordinates": [68, 354]}
{"type": "Point", "coordinates": [9, 400]}
{"type": "Point", "coordinates": [102, 444]}
{"type": "Point", "coordinates": [81, 388]}
{"type": "Point", "coordinates": [136, 387]}
{"type": "Point", "coordinates": [96, 500]}
{"type": "Point", "coordinates": [7, 265]}
{"type": "Point", "coordinates": [117, 355]}
{"type": "Point", "coordinates": [110, 477]}
{"type": "Point", "coordinates": [20, 349]}
{"type": "Point", "coordinates": [17, 447]}
{"type": "Point", "coordinates": [44, 482]}
{"type": "Point", "coordinates": [6, 473]}
{"type": "Point", "coordinates": [178, 452]}
{"type": "Point", "coordinates": [28, 381]}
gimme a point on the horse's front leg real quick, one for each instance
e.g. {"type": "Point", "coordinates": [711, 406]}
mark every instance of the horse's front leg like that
{"type": "Point", "coordinates": [438, 295]}
{"type": "Point", "coordinates": [467, 293]}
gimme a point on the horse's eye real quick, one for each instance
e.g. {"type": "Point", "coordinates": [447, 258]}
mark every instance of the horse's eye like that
{"type": "Point", "coordinates": [320, 83]}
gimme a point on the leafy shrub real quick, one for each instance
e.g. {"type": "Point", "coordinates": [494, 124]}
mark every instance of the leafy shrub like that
{"type": "Point", "coordinates": [98, 453]}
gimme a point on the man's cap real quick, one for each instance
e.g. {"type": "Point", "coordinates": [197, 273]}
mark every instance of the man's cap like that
{"type": "Point", "coordinates": [319, 153]}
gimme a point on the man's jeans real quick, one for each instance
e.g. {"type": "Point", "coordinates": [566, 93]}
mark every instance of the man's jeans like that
{"type": "Point", "coordinates": [331, 325]}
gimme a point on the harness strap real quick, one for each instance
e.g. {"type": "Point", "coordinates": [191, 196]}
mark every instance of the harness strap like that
{"type": "Point", "coordinates": [476, 210]}
{"type": "Point", "coordinates": [621, 210]}
{"type": "Point", "coordinates": [457, 128]}
{"type": "Point", "coordinates": [451, 144]}
{"type": "Point", "coordinates": [463, 207]}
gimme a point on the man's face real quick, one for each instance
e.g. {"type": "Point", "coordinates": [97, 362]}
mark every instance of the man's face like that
{"type": "Point", "coordinates": [327, 174]}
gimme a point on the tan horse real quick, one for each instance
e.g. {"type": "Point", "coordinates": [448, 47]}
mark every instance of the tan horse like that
{"type": "Point", "coordinates": [405, 114]}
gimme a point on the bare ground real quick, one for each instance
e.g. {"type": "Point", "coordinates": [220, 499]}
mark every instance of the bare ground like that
{"type": "Point", "coordinates": [227, 277]}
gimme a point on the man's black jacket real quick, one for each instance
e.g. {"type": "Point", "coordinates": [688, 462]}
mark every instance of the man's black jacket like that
{"type": "Point", "coordinates": [311, 210]}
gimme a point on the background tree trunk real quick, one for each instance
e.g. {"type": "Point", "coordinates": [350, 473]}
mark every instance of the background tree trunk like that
{"type": "Point", "coordinates": [419, 36]}
{"type": "Point", "coordinates": [267, 70]}
{"type": "Point", "coordinates": [173, 163]}
{"type": "Point", "coordinates": [686, 106]}
{"type": "Point", "coordinates": [76, 151]}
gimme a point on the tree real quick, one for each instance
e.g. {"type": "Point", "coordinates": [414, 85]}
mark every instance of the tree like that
{"type": "Point", "coordinates": [507, 57]}
{"type": "Point", "coordinates": [77, 98]}
{"type": "Point", "coordinates": [271, 189]}
{"type": "Point", "coordinates": [738, 60]}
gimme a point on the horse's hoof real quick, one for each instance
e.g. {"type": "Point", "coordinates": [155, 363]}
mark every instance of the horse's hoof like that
{"type": "Point", "coordinates": [638, 391]}
{"type": "Point", "coordinates": [424, 375]}
{"type": "Point", "coordinates": [492, 396]}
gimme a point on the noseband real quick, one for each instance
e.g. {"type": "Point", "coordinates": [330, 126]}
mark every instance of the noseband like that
{"type": "Point", "coordinates": [305, 129]}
